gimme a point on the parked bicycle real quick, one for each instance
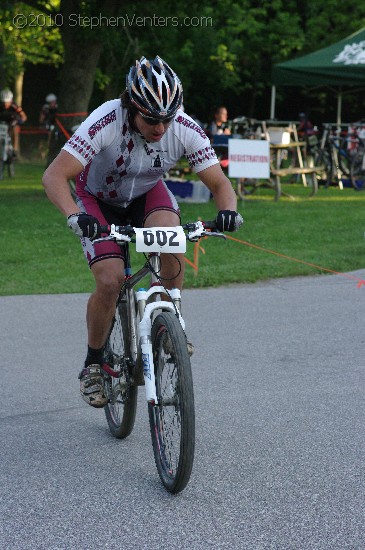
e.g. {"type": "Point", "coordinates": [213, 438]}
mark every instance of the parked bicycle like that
{"type": "Point", "coordinates": [335, 153]}
{"type": "Point", "coordinates": [357, 168]}
{"type": "Point", "coordinates": [6, 152]}
{"type": "Point", "coordinates": [147, 346]}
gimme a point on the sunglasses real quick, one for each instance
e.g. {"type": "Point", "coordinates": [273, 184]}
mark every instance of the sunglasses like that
{"type": "Point", "coordinates": [154, 121]}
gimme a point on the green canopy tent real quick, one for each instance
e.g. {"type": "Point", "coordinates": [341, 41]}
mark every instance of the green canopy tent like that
{"type": "Point", "coordinates": [341, 65]}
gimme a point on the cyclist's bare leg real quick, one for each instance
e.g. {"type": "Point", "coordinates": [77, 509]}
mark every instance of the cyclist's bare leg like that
{"type": "Point", "coordinates": [109, 275]}
{"type": "Point", "coordinates": [169, 265]}
{"type": "Point", "coordinates": [15, 133]}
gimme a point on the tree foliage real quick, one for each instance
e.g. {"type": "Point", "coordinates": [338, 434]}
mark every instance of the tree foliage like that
{"type": "Point", "coordinates": [36, 42]}
{"type": "Point", "coordinates": [222, 50]}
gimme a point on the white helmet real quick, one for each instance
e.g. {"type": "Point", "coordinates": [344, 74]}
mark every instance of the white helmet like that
{"type": "Point", "coordinates": [6, 95]}
{"type": "Point", "coordinates": [51, 97]}
{"type": "Point", "coordinates": [154, 88]}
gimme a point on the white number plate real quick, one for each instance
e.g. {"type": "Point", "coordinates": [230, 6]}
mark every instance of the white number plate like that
{"type": "Point", "coordinates": [160, 239]}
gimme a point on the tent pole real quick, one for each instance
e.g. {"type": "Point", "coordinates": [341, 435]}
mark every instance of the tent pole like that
{"type": "Point", "coordinates": [272, 106]}
{"type": "Point", "coordinates": [339, 107]}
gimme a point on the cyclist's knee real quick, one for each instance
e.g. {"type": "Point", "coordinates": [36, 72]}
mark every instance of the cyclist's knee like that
{"type": "Point", "coordinates": [162, 218]}
{"type": "Point", "coordinates": [109, 276]}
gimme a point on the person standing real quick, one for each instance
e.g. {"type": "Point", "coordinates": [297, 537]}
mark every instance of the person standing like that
{"type": "Point", "coordinates": [219, 126]}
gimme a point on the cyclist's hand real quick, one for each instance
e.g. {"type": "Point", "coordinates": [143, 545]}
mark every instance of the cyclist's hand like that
{"type": "Point", "coordinates": [84, 225]}
{"type": "Point", "coordinates": [228, 220]}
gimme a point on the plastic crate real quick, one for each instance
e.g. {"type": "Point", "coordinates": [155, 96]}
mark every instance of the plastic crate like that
{"type": "Point", "coordinates": [359, 182]}
{"type": "Point", "coordinates": [189, 191]}
{"type": "Point", "coordinates": [180, 188]}
{"type": "Point", "coordinates": [279, 136]}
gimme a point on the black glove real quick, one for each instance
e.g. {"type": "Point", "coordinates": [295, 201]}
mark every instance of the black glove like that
{"type": "Point", "coordinates": [84, 225]}
{"type": "Point", "coordinates": [228, 220]}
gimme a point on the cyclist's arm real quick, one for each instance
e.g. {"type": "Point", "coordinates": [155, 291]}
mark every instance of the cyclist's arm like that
{"type": "Point", "coordinates": [20, 116]}
{"type": "Point", "coordinates": [55, 180]}
{"type": "Point", "coordinates": [220, 187]}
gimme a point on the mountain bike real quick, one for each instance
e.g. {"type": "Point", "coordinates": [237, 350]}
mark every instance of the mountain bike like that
{"type": "Point", "coordinates": [6, 151]}
{"type": "Point", "coordinates": [357, 168]}
{"type": "Point", "coordinates": [336, 152]}
{"type": "Point", "coordinates": [147, 346]}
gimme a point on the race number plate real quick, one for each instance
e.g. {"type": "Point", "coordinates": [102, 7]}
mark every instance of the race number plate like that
{"type": "Point", "coordinates": [160, 239]}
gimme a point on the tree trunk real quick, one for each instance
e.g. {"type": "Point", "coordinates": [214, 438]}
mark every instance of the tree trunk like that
{"type": "Point", "coordinates": [77, 76]}
{"type": "Point", "coordinates": [18, 88]}
{"type": "Point", "coordinates": [77, 81]}
{"type": "Point", "coordinates": [82, 47]}
{"type": "Point", "coordinates": [18, 98]}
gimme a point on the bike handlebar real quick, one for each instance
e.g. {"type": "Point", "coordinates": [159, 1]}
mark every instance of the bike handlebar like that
{"type": "Point", "coordinates": [193, 230]}
{"type": "Point", "coordinates": [129, 229]}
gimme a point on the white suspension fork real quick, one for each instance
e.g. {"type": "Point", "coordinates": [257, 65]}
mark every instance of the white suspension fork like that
{"type": "Point", "coordinates": [147, 312]}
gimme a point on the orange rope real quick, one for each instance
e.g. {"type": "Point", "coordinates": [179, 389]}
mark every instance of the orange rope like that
{"type": "Point", "coordinates": [195, 263]}
{"type": "Point", "coordinates": [33, 130]}
{"type": "Point", "coordinates": [361, 282]}
{"type": "Point", "coordinates": [62, 128]}
{"type": "Point", "coordinates": [191, 264]}
{"type": "Point", "coordinates": [72, 114]}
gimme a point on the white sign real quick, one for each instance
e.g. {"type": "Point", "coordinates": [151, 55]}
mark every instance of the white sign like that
{"type": "Point", "coordinates": [249, 158]}
{"type": "Point", "coordinates": [160, 239]}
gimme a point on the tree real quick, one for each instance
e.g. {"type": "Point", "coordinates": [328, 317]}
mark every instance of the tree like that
{"type": "Point", "coordinates": [26, 38]}
{"type": "Point", "coordinates": [82, 49]}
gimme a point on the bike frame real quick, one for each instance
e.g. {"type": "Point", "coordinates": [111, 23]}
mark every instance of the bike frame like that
{"type": "Point", "coordinates": [5, 139]}
{"type": "Point", "coordinates": [141, 336]}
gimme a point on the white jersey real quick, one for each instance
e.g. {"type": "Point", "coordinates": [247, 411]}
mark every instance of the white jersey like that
{"type": "Point", "coordinates": [120, 165]}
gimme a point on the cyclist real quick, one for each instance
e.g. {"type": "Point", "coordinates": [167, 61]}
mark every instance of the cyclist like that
{"type": "Point", "coordinates": [119, 155]}
{"type": "Point", "coordinates": [12, 115]}
{"type": "Point", "coordinates": [48, 112]}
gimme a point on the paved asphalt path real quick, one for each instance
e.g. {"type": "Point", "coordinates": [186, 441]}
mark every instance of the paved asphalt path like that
{"type": "Point", "coordinates": [279, 374]}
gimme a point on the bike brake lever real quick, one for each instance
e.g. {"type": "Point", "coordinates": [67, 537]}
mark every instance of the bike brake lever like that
{"type": "Point", "coordinates": [215, 234]}
{"type": "Point", "coordinates": [102, 239]}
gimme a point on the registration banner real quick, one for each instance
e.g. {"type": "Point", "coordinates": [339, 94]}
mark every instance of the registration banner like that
{"type": "Point", "coordinates": [249, 158]}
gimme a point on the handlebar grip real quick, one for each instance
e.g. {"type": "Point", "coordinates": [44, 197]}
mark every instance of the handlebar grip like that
{"type": "Point", "coordinates": [210, 224]}
{"type": "Point", "coordinates": [122, 229]}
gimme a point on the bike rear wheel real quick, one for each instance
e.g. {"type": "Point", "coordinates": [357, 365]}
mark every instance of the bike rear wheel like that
{"type": "Point", "coordinates": [323, 159]}
{"type": "Point", "coordinates": [2, 157]}
{"type": "Point", "coordinates": [11, 168]}
{"type": "Point", "coordinates": [344, 159]}
{"type": "Point", "coordinates": [120, 411]}
{"type": "Point", "coordinates": [357, 170]}
{"type": "Point", "coordinates": [172, 419]}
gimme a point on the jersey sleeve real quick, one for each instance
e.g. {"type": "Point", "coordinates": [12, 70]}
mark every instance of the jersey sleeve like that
{"type": "Point", "coordinates": [96, 133]}
{"type": "Point", "coordinates": [198, 150]}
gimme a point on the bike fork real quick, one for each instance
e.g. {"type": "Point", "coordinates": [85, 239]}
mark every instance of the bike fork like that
{"type": "Point", "coordinates": [145, 330]}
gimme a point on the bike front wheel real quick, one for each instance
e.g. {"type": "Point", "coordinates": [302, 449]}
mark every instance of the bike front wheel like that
{"type": "Point", "coordinates": [357, 170]}
{"type": "Point", "coordinates": [120, 411]}
{"type": "Point", "coordinates": [172, 418]}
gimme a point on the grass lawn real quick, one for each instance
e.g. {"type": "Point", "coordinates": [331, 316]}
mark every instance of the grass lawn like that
{"type": "Point", "coordinates": [40, 255]}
